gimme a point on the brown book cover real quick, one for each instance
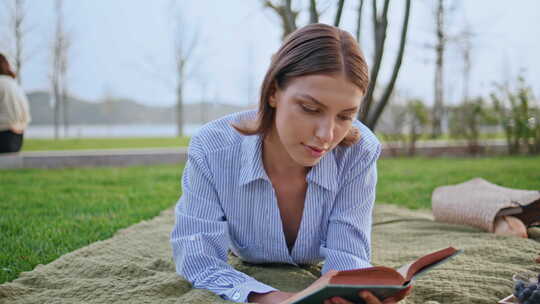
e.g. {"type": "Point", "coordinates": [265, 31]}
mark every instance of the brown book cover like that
{"type": "Point", "coordinates": [382, 281]}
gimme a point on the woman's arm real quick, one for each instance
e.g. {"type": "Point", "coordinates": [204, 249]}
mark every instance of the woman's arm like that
{"type": "Point", "coordinates": [348, 239]}
{"type": "Point", "coordinates": [200, 237]}
{"type": "Point", "coordinates": [270, 297]}
{"type": "Point", "coordinates": [349, 231]}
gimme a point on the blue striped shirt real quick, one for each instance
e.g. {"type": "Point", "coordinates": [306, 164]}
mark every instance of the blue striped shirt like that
{"type": "Point", "coordinates": [228, 202]}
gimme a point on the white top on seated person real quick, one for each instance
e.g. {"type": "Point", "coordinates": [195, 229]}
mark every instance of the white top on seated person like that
{"type": "Point", "coordinates": [294, 194]}
{"type": "Point", "coordinates": [14, 110]}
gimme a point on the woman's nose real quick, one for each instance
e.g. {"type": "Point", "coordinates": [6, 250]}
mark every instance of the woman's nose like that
{"type": "Point", "coordinates": [325, 132]}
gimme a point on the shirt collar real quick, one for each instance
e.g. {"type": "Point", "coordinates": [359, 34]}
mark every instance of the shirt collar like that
{"type": "Point", "coordinates": [252, 165]}
{"type": "Point", "coordinates": [323, 173]}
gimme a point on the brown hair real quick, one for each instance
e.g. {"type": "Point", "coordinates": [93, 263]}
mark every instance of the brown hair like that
{"type": "Point", "coordinates": [313, 49]}
{"type": "Point", "coordinates": [5, 69]}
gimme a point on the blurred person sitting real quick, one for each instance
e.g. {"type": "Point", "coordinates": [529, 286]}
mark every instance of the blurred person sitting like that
{"type": "Point", "coordinates": [14, 110]}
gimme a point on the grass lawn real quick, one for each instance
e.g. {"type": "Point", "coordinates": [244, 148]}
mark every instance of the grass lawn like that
{"type": "Point", "coordinates": [409, 182]}
{"type": "Point", "coordinates": [447, 137]}
{"type": "Point", "coordinates": [35, 144]}
{"type": "Point", "coordinates": [47, 213]}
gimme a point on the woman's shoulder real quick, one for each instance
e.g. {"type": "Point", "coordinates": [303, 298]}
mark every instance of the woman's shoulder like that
{"type": "Point", "coordinates": [11, 91]}
{"type": "Point", "coordinates": [7, 82]}
{"type": "Point", "coordinates": [368, 144]}
{"type": "Point", "coordinates": [219, 134]}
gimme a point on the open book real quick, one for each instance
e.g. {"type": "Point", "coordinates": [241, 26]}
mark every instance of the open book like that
{"type": "Point", "coordinates": [382, 281]}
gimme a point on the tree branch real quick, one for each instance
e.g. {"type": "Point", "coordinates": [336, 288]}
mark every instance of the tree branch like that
{"type": "Point", "coordinates": [287, 15]}
{"type": "Point", "coordinates": [380, 25]}
{"type": "Point", "coordinates": [359, 20]}
{"type": "Point", "coordinates": [313, 13]}
{"type": "Point", "coordinates": [373, 118]}
{"type": "Point", "coordinates": [339, 11]}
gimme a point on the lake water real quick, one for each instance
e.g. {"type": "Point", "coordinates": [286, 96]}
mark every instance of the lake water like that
{"type": "Point", "coordinates": [88, 131]}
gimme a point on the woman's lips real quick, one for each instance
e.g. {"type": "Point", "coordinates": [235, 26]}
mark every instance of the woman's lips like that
{"type": "Point", "coordinates": [315, 152]}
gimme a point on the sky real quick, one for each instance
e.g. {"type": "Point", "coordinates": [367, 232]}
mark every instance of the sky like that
{"type": "Point", "coordinates": [124, 48]}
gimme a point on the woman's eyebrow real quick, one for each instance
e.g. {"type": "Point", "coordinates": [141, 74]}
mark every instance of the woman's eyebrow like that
{"type": "Point", "coordinates": [306, 96]}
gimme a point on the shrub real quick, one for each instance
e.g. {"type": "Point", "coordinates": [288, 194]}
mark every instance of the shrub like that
{"type": "Point", "coordinates": [519, 114]}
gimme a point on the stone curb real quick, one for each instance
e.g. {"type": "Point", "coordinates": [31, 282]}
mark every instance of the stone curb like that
{"type": "Point", "coordinates": [92, 158]}
{"type": "Point", "coordinates": [154, 156]}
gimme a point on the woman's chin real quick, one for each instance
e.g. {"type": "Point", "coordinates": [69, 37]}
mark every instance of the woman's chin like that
{"type": "Point", "coordinates": [308, 161]}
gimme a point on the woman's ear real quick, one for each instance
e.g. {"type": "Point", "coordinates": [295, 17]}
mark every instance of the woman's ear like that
{"type": "Point", "coordinates": [273, 95]}
{"type": "Point", "coordinates": [272, 101]}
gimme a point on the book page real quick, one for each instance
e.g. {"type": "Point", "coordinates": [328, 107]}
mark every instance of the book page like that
{"type": "Point", "coordinates": [403, 270]}
{"type": "Point", "coordinates": [428, 261]}
{"type": "Point", "coordinates": [378, 275]}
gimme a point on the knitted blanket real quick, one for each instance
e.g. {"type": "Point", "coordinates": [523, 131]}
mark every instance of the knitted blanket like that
{"type": "Point", "coordinates": [135, 266]}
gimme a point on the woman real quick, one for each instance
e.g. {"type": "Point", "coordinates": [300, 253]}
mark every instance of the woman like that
{"type": "Point", "coordinates": [292, 183]}
{"type": "Point", "coordinates": [14, 114]}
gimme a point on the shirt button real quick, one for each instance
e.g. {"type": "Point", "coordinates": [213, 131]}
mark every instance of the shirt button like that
{"type": "Point", "coordinates": [192, 238]}
{"type": "Point", "coordinates": [236, 295]}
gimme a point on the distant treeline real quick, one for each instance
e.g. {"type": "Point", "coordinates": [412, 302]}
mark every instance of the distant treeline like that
{"type": "Point", "coordinates": [123, 111]}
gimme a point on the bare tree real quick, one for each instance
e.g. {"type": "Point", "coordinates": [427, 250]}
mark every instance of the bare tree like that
{"type": "Point", "coordinates": [313, 12]}
{"type": "Point", "coordinates": [417, 118]}
{"type": "Point", "coordinates": [466, 49]}
{"type": "Point", "coordinates": [288, 16]}
{"type": "Point", "coordinates": [438, 106]}
{"type": "Point", "coordinates": [368, 114]}
{"type": "Point", "coordinates": [359, 20]}
{"type": "Point", "coordinates": [337, 19]}
{"type": "Point", "coordinates": [184, 46]}
{"type": "Point", "coordinates": [17, 11]}
{"type": "Point", "coordinates": [443, 14]}
{"type": "Point", "coordinates": [184, 38]}
{"type": "Point", "coordinates": [60, 48]}
{"type": "Point", "coordinates": [380, 23]}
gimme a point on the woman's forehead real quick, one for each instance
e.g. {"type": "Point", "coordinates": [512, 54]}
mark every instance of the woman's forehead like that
{"type": "Point", "coordinates": [330, 91]}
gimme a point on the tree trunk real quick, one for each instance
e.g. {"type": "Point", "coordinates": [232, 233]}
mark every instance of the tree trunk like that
{"type": "Point", "coordinates": [18, 54]}
{"type": "Point", "coordinates": [439, 73]}
{"type": "Point", "coordinates": [57, 103]}
{"type": "Point", "coordinates": [379, 26]}
{"type": "Point", "coordinates": [412, 139]}
{"type": "Point", "coordinates": [65, 110]}
{"type": "Point", "coordinates": [179, 111]}
{"type": "Point", "coordinates": [180, 99]}
{"type": "Point", "coordinates": [381, 104]}
{"type": "Point", "coordinates": [359, 21]}
{"type": "Point", "coordinates": [287, 15]}
{"type": "Point", "coordinates": [313, 13]}
{"type": "Point", "coordinates": [59, 68]}
{"type": "Point", "coordinates": [17, 18]}
{"type": "Point", "coordinates": [337, 20]}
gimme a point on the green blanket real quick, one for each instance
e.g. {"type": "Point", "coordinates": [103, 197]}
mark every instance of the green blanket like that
{"type": "Point", "coordinates": [135, 266]}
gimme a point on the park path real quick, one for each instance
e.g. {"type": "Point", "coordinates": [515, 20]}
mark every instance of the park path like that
{"type": "Point", "coordinates": [154, 156]}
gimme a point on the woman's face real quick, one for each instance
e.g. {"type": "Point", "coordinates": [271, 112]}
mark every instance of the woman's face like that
{"type": "Point", "coordinates": [313, 114]}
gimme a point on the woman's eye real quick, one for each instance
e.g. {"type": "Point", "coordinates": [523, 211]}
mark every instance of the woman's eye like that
{"type": "Point", "coordinates": [310, 110]}
{"type": "Point", "coordinates": [342, 117]}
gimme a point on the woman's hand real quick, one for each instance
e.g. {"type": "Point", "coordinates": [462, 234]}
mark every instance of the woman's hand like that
{"type": "Point", "coordinates": [269, 297]}
{"type": "Point", "coordinates": [280, 296]}
{"type": "Point", "coordinates": [369, 298]}
{"type": "Point", "coordinates": [17, 131]}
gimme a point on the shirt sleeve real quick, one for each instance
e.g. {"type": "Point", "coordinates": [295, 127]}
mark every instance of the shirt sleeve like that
{"type": "Point", "coordinates": [200, 237]}
{"type": "Point", "coordinates": [348, 240]}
